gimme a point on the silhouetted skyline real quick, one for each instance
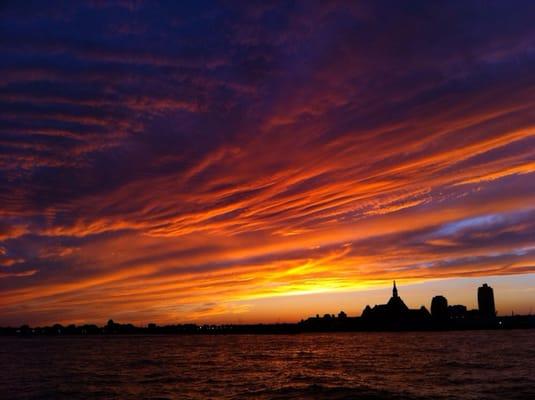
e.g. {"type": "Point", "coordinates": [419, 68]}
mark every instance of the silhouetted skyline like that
{"type": "Point", "coordinates": [392, 316]}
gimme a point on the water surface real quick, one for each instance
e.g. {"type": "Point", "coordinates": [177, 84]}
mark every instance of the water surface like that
{"type": "Point", "coordinates": [460, 365]}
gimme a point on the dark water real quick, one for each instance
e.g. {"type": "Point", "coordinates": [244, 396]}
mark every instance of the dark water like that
{"type": "Point", "coordinates": [460, 365]}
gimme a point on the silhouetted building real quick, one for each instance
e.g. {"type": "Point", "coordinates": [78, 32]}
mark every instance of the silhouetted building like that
{"type": "Point", "coordinates": [111, 327]}
{"type": "Point", "coordinates": [395, 314]}
{"type": "Point", "coordinates": [457, 311]}
{"type": "Point", "coordinates": [485, 301]}
{"type": "Point", "coordinates": [395, 306]}
{"type": "Point", "coordinates": [439, 308]}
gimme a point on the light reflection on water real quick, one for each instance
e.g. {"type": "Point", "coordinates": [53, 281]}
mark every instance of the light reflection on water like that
{"type": "Point", "coordinates": [465, 365]}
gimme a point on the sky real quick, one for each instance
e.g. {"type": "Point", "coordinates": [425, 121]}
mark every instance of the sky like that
{"type": "Point", "coordinates": [262, 161]}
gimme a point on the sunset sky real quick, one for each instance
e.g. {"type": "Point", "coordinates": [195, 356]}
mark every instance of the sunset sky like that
{"type": "Point", "coordinates": [257, 162]}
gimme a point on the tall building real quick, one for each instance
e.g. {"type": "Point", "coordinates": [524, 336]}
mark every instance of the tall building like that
{"type": "Point", "coordinates": [485, 301]}
{"type": "Point", "coordinates": [439, 308]}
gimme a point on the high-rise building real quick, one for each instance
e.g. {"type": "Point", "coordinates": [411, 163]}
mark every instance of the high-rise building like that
{"type": "Point", "coordinates": [439, 308]}
{"type": "Point", "coordinates": [485, 301]}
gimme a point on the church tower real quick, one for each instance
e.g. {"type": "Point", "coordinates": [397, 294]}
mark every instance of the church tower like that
{"type": "Point", "coordinates": [395, 290]}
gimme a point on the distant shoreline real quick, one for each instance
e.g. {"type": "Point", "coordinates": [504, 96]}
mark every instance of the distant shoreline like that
{"type": "Point", "coordinates": [311, 325]}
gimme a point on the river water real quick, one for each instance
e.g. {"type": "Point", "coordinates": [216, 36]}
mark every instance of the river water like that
{"type": "Point", "coordinates": [430, 365]}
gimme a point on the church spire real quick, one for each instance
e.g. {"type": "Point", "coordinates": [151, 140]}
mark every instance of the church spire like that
{"type": "Point", "coordinates": [395, 290]}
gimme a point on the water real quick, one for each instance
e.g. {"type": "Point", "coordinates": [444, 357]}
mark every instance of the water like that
{"type": "Point", "coordinates": [460, 365]}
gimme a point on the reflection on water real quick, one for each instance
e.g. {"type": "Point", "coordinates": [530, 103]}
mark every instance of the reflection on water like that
{"type": "Point", "coordinates": [467, 365]}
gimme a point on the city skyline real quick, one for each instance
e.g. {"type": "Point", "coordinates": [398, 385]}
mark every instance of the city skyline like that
{"type": "Point", "coordinates": [393, 315]}
{"type": "Point", "coordinates": [469, 293]}
{"type": "Point", "coordinates": [248, 163]}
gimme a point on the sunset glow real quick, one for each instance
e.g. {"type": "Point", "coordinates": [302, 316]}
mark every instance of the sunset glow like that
{"type": "Point", "coordinates": [263, 162]}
